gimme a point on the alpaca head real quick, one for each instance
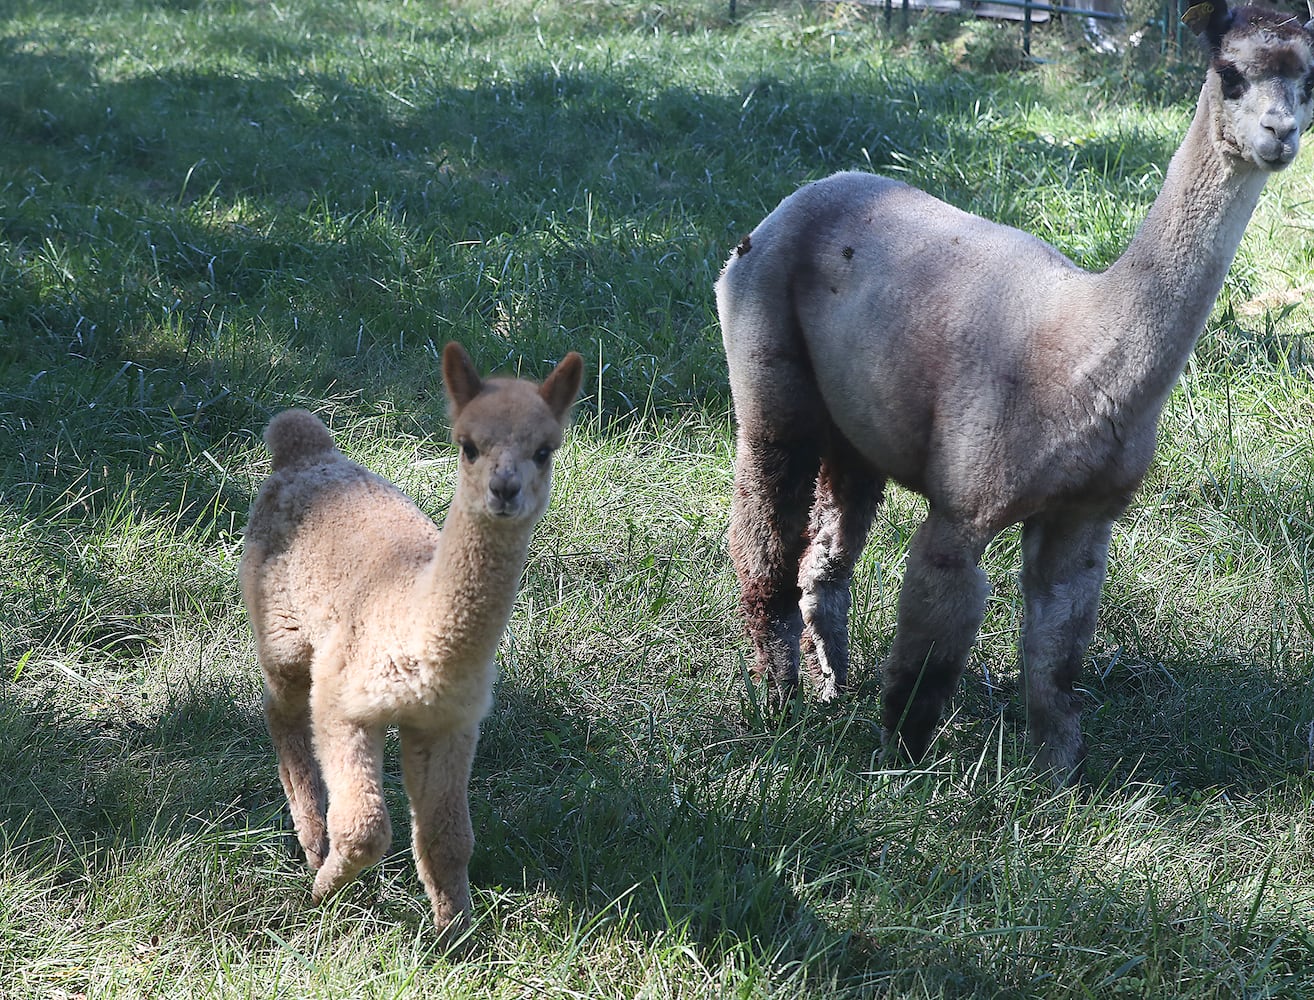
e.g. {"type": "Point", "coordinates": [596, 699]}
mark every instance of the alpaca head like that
{"type": "Point", "coordinates": [1261, 79]}
{"type": "Point", "coordinates": [507, 430]}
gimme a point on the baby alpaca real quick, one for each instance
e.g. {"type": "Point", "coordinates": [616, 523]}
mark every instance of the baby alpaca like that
{"type": "Point", "coordinates": [366, 615]}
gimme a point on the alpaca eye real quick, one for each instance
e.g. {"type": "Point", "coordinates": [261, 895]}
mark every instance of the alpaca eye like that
{"type": "Point", "coordinates": [1308, 89]}
{"type": "Point", "coordinates": [542, 455]}
{"type": "Point", "coordinates": [469, 451]}
{"type": "Point", "coordinates": [1234, 84]}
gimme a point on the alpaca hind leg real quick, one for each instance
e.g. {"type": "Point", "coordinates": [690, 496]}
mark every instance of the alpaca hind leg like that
{"type": "Point", "coordinates": [287, 715]}
{"type": "Point", "coordinates": [358, 826]}
{"type": "Point", "coordinates": [846, 500]}
{"type": "Point", "coordinates": [774, 485]}
{"type": "Point", "coordinates": [941, 605]}
{"type": "Point", "coordinates": [436, 769]}
{"type": "Point", "coordinates": [285, 662]}
{"type": "Point", "coordinates": [1063, 568]}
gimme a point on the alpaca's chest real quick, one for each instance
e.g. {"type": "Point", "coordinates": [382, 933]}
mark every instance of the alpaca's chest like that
{"type": "Point", "coordinates": [421, 685]}
{"type": "Point", "coordinates": [1002, 461]}
{"type": "Point", "coordinates": [422, 655]}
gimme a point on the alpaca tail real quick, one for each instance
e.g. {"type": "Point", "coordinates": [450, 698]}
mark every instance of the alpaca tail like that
{"type": "Point", "coordinates": [296, 435]}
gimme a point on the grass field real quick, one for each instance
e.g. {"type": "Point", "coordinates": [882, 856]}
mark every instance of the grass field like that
{"type": "Point", "coordinates": [210, 211]}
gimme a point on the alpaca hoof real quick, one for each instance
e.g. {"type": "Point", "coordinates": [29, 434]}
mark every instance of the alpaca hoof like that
{"type": "Point", "coordinates": [1064, 766]}
{"type": "Point", "coordinates": [316, 856]}
{"type": "Point", "coordinates": [327, 883]}
{"type": "Point", "coordinates": [455, 937]}
{"type": "Point", "coordinates": [912, 747]}
{"type": "Point", "coordinates": [830, 690]}
{"type": "Point", "coordinates": [781, 698]}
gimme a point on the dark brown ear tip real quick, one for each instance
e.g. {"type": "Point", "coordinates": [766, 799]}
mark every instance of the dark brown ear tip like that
{"type": "Point", "coordinates": [1208, 19]}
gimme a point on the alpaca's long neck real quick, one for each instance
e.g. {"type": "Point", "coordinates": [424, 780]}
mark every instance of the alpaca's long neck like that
{"type": "Point", "coordinates": [1163, 288]}
{"type": "Point", "coordinates": [475, 575]}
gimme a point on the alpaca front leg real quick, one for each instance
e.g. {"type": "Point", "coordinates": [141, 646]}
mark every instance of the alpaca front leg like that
{"type": "Point", "coordinates": [1063, 569]}
{"type": "Point", "coordinates": [941, 605]}
{"type": "Point", "coordinates": [358, 826]}
{"type": "Point", "coordinates": [436, 770]}
{"type": "Point", "coordinates": [774, 486]}
{"type": "Point", "coordinates": [847, 496]}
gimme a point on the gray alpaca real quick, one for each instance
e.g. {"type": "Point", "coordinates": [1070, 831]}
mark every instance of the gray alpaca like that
{"type": "Point", "coordinates": [875, 333]}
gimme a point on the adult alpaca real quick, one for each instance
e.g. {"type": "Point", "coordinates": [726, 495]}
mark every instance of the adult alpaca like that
{"type": "Point", "coordinates": [366, 615]}
{"type": "Point", "coordinates": [874, 332]}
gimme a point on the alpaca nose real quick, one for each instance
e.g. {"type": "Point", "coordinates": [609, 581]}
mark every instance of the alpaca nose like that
{"type": "Point", "coordinates": [1279, 123]}
{"type": "Point", "coordinates": [505, 486]}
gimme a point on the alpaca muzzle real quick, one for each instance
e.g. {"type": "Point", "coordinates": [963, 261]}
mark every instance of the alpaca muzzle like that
{"type": "Point", "coordinates": [504, 494]}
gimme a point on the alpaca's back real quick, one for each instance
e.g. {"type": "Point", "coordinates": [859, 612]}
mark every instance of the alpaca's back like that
{"type": "Point", "coordinates": [337, 513]}
{"type": "Point", "coordinates": [893, 312]}
{"type": "Point", "coordinates": [329, 542]}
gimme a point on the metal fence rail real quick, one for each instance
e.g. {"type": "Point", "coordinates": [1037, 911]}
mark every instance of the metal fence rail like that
{"type": "Point", "coordinates": [1028, 12]}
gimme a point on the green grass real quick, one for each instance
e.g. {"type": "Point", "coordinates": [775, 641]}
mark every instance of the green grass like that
{"type": "Point", "coordinates": [210, 211]}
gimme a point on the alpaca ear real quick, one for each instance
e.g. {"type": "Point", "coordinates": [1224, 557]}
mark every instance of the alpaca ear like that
{"type": "Point", "coordinates": [561, 387]}
{"type": "Point", "coordinates": [1208, 19]}
{"type": "Point", "coordinates": [1309, 25]}
{"type": "Point", "coordinates": [460, 378]}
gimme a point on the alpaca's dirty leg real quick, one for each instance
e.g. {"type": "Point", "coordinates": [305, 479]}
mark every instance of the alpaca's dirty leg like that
{"type": "Point", "coordinates": [846, 500]}
{"type": "Point", "coordinates": [941, 606]}
{"type": "Point", "coordinates": [436, 770]}
{"type": "Point", "coordinates": [358, 825]}
{"type": "Point", "coordinates": [1063, 566]}
{"type": "Point", "coordinates": [774, 484]}
{"type": "Point", "coordinates": [287, 714]}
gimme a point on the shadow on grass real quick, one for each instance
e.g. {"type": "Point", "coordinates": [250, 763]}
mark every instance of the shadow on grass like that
{"type": "Point", "coordinates": [100, 776]}
{"type": "Point", "coordinates": [698, 830]}
{"type": "Point", "coordinates": [1204, 724]}
{"type": "Point", "coordinates": [188, 251]}
{"type": "Point", "coordinates": [1188, 724]}
{"type": "Point", "coordinates": [342, 217]}
{"type": "Point", "coordinates": [703, 838]}
{"type": "Point", "coordinates": [781, 844]}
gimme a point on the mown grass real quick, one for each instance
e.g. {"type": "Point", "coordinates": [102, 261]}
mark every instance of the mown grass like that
{"type": "Point", "coordinates": [213, 210]}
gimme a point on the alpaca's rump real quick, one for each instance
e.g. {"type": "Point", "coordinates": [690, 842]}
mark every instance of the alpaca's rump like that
{"type": "Point", "coordinates": [295, 435]}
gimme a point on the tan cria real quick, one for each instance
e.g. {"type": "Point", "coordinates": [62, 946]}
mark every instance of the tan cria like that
{"type": "Point", "coordinates": [366, 615]}
{"type": "Point", "coordinates": [874, 333]}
